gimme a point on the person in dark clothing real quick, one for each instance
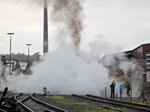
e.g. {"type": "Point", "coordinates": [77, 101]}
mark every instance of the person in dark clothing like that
{"type": "Point", "coordinates": [128, 89]}
{"type": "Point", "coordinates": [143, 96]}
{"type": "Point", "coordinates": [45, 90]}
{"type": "Point", "coordinates": [112, 86]}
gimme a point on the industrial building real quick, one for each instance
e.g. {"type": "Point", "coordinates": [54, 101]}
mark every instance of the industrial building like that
{"type": "Point", "coordinates": [140, 54]}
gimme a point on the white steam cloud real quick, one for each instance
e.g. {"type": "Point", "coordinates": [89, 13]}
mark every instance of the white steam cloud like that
{"type": "Point", "coordinates": [63, 72]}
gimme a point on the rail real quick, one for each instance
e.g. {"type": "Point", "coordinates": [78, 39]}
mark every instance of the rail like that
{"type": "Point", "coordinates": [116, 103]}
{"type": "Point", "coordinates": [104, 106]}
{"type": "Point", "coordinates": [31, 98]}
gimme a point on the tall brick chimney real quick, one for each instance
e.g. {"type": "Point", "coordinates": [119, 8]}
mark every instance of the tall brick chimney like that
{"type": "Point", "coordinates": [45, 32]}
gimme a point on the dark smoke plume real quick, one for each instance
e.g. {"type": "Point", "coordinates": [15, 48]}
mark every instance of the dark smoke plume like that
{"type": "Point", "coordinates": [69, 12]}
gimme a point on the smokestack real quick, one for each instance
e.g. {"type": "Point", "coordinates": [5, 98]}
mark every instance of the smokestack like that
{"type": "Point", "coordinates": [45, 32]}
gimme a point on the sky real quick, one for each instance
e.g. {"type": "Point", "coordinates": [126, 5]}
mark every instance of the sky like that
{"type": "Point", "coordinates": [125, 23]}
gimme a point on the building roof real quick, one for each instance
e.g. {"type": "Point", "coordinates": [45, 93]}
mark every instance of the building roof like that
{"type": "Point", "coordinates": [141, 46]}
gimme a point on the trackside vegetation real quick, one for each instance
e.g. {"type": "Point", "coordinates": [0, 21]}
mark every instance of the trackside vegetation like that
{"type": "Point", "coordinates": [77, 105]}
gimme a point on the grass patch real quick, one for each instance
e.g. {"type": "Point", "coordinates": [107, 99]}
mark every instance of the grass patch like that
{"type": "Point", "coordinates": [78, 106]}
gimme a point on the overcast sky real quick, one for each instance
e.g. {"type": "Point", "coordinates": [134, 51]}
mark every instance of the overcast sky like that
{"type": "Point", "coordinates": [123, 22]}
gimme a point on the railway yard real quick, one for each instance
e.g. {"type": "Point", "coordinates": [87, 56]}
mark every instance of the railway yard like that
{"type": "Point", "coordinates": [80, 56]}
{"type": "Point", "coordinates": [66, 103]}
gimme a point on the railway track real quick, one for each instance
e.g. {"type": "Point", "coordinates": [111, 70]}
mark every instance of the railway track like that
{"type": "Point", "coordinates": [30, 104]}
{"type": "Point", "coordinates": [102, 104]}
{"type": "Point", "coordinates": [131, 107]}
